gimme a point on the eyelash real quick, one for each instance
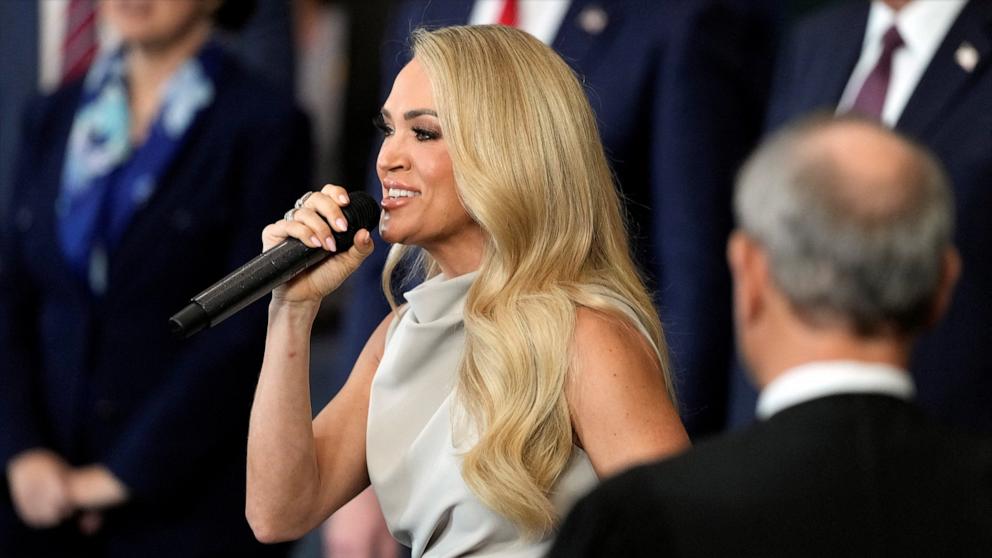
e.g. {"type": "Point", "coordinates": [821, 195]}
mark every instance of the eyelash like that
{"type": "Point", "coordinates": [422, 134]}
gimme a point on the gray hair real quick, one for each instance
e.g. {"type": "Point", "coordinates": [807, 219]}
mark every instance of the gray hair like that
{"type": "Point", "coordinates": [834, 256]}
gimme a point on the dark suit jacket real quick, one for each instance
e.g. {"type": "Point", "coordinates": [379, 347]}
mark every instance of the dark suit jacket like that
{"type": "Point", "coordinates": [846, 475]}
{"type": "Point", "coordinates": [18, 81]}
{"type": "Point", "coordinates": [101, 379]}
{"type": "Point", "coordinates": [678, 88]}
{"type": "Point", "coordinates": [950, 112]}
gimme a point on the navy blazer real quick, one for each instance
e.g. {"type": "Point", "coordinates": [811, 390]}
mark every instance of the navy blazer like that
{"type": "Point", "coordinates": [843, 475]}
{"type": "Point", "coordinates": [18, 80]}
{"type": "Point", "coordinates": [950, 112]}
{"type": "Point", "coordinates": [101, 379]}
{"type": "Point", "coordinates": [678, 88]}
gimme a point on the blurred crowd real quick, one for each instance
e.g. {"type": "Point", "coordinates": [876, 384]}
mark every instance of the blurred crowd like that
{"type": "Point", "coordinates": [145, 143]}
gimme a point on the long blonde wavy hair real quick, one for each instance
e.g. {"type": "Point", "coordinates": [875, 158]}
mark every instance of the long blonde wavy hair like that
{"type": "Point", "coordinates": [530, 169]}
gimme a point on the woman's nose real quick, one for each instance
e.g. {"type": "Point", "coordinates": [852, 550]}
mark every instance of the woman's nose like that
{"type": "Point", "coordinates": [393, 156]}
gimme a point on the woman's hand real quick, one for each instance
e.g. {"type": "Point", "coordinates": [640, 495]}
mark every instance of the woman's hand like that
{"type": "Point", "coordinates": [309, 224]}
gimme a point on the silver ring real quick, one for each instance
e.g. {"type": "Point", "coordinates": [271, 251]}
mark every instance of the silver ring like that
{"type": "Point", "coordinates": [288, 216]}
{"type": "Point", "coordinates": [303, 199]}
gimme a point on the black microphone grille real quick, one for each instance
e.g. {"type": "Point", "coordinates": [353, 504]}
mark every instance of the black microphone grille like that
{"type": "Point", "coordinates": [362, 211]}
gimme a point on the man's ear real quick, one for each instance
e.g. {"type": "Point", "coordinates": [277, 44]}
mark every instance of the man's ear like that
{"type": "Point", "coordinates": [735, 251]}
{"type": "Point", "coordinates": [949, 274]}
{"type": "Point", "coordinates": [748, 267]}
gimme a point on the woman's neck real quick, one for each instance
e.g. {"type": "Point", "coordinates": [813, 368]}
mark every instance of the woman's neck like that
{"type": "Point", "coordinates": [149, 66]}
{"type": "Point", "coordinates": [459, 258]}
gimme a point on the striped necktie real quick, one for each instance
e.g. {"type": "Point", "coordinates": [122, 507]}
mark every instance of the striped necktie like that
{"type": "Point", "coordinates": [79, 44]}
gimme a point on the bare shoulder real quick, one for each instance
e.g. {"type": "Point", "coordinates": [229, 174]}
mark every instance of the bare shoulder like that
{"type": "Point", "coordinates": [610, 353]}
{"type": "Point", "coordinates": [602, 337]}
{"type": "Point", "coordinates": [621, 411]}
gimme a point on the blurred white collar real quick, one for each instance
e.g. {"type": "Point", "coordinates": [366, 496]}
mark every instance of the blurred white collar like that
{"type": "Point", "coordinates": [820, 379]}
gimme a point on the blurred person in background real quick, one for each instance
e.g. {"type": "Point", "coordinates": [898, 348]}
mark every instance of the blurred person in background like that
{"type": "Point", "coordinates": [921, 67]}
{"type": "Point", "coordinates": [46, 44]}
{"type": "Point", "coordinates": [842, 258]}
{"type": "Point", "coordinates": [136, 186]}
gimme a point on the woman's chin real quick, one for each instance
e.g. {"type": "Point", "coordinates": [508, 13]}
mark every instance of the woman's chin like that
{"type": "Point", "coordinates": [388, 234]}
{"type": "Point", "coordinates": [392, 231]}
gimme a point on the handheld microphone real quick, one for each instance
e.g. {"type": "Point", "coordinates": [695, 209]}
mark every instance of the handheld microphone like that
{"type": "Point", "coordinates": [268, 270]}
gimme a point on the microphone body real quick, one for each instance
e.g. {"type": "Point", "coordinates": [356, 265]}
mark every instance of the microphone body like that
{"type": "Point", "coordinates": [268, 270]}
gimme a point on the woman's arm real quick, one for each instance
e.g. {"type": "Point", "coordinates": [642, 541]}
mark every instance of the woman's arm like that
{"type": "Point", "coordinates": [621, 410]}
{"type": "Point", "coordinates": [300, 470]}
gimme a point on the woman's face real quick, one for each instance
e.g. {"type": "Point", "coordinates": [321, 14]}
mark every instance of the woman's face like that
{"type": "Point", "coordinates": [419, 198]}
{"type": "Point", "coordinates": [155, 23]}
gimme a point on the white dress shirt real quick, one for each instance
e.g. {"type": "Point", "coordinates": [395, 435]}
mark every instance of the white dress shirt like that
{"type": "Point", "coordinates": [540, 18]}
{"type": "Point", "coordinates": [821, 379]}
{"type": "Point", "coordinates": [922, 25]}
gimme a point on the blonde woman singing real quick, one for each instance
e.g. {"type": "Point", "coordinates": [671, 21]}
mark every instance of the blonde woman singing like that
{"type": "Point", "coordinates": [529, 364]}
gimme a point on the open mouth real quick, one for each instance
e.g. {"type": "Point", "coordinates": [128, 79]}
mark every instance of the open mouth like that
{"type": "Point", "coordinates": [396, 193]}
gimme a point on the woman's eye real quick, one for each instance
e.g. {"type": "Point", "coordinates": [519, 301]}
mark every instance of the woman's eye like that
{"type": "Point", "coordinates": [424, 134]}
{"type": "Point", "coordinates": [380, 123]}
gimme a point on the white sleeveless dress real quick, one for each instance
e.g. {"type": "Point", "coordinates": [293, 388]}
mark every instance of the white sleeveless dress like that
{"type": "Point", "coordinates": [413, 462]}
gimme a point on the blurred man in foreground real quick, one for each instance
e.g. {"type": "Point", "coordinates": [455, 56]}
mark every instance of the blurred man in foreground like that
{"type": "Point", "coordinates": [922, 68]}
{"type": "Point", "coordinates": [842, 258]}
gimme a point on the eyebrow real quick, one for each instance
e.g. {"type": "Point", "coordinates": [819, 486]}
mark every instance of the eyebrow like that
{"type": "Point", "coordinates": [411, 114]}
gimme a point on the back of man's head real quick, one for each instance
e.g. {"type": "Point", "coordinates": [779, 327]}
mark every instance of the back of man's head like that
{"type": "Point", "coordinates": [855, 222]}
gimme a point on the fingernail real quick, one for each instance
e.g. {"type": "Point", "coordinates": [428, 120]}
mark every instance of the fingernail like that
{"type": "Point", "coordinates": [343, 198]}
{"type": "Point", "coordinates": [315, 241]}
{"type": "Point", "coordinates": [341, 224]}
{"type": "Point", "coordinates": [330, 244]}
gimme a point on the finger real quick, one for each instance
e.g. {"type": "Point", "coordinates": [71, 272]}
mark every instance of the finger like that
{"type": "Point", "coordinates": [302, 232]}
{"type": "Point", "coordinates": [271, 230]}
{"type": "Point", "coordinates": [361, 247]}
{"type": "Point", "coordinates": [336, 192]}
{"type": "Point", "coordinates": [273, 234]}
{"type": "Point", "coordinates": [330, 209]}
{"type": "Point", "coordinates": [363, 243]}
{"type": "Point", "coordinates": [30, 515]}
{"type": "Point", "coordinates": [37, 520]}
{"type": "Point", "coordinates": [60, 501]}
{"type": "Point", "coordinates": [28, 507]}
{"type": "Point", "coordinates": [44, 507]}
{"type": "Point", "coordinates": [64, 507]}
{"type": "Point", "coordinates": [46, 514]}
{"type": "Point", "coordinates": [322, 232]}
{"type": "Point", "coordinates": [354, 256]}
{"type": "Point", "coordinates": [281, 230]}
